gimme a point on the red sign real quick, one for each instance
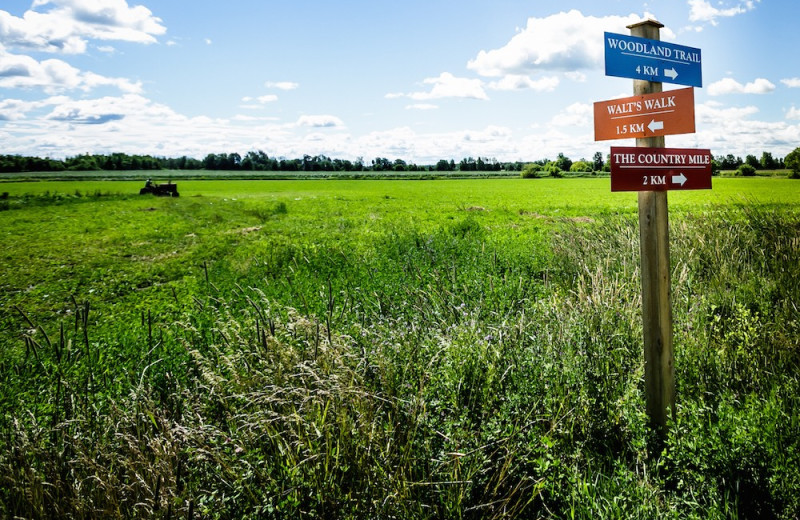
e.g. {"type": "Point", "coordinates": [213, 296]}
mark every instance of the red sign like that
{"type": "Point", "coordinates": [648, 115]}
{"type": "Point", "coordinates": [659, 169]}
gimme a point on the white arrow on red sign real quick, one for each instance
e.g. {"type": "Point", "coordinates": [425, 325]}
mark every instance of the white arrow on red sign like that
{"type": "Point", "coordinates": [679, 179]}
{"type": "Point", "coordinates": [659, 169]}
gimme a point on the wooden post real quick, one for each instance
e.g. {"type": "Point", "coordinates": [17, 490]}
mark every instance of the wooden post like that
{"type": "Point", "coordinates": [659, 364]}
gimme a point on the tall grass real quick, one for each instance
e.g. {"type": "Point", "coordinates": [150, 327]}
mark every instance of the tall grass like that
{"type": "Point", "coordinates": [450, 372]}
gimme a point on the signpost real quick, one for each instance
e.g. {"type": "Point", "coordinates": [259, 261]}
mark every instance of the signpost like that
{"type": "Point", "coordinates": [660, 113]}
{"type": "Point", "coordinates": [660, 169]}
{"type": "Point", "coordinates": [651, 169]}
{"type": "Point", "coordinates": [646, 59]}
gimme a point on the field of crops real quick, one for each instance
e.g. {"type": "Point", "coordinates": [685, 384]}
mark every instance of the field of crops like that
{"type": "Point", "coordinates": [392, 349]}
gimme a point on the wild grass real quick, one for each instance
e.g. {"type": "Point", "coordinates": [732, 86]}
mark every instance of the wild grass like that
{"type": "Point", "coordinates": [353, 354]}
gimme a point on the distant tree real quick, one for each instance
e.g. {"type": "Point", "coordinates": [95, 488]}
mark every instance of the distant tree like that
{"type": "Point", "coordinates": [343, 165]}
{"type": "Point", "coordinates": [468, 164]}
{"type": "Point", "coordinates": [792, 161]}
{"type": "Point", "coordinates": [82, 163]}
{"type": "Point", "coordinates": [308, 164]}
{"type": "Point", "coordinates": [563, 162]}
{"type": "Point", "coordinates": [597, 162]}
{"type": "Point", "coordinates": [767, 162]}
{"type": "Point", "coordinates": [290, 165]}
{"type": "Point", "coordinates": [19, 163]}
{"type": "Point", "coordinates": [210, 162]}
{"type": "Point", "coordinates": [251, 161]}
{"type": "Point", "coordinates": [751, 160]}
{"type": "Point", "coordinates": [446, 166]}
{"type": "Point", "coordinates": [493, 165]}
{"type": "Point", "coordinates": [729, 162]}
{"type": "Point", "coordinates": [714, 167]}
{"type": "Point", "coordinates": [553, 170]}
{"type": "Point", "coordinates": [380, 164]}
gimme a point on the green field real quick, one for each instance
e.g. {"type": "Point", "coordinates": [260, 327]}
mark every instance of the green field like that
{"type": "Point", "coordinates": [463, 348]}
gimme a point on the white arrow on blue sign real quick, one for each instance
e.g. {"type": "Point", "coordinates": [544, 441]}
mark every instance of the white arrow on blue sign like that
{"type": "Point", "coordinates": [652, 60]}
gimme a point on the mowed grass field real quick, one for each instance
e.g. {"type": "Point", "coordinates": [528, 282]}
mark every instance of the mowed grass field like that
{"type": "Point", "coordinates": [408, 349]}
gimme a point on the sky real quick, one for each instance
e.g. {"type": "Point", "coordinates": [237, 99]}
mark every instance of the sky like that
{"type": "Point", "coordinates": [418, 80]}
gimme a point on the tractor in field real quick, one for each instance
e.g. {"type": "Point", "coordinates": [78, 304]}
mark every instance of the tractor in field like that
{"type": "Point", "coordinates": [168, 189]}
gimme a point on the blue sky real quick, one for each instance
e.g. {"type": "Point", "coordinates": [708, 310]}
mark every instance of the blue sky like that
{"type": "Point", "coordinates": [416, 80]}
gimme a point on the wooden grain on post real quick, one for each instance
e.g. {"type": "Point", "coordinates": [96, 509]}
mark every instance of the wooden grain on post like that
{"type": "Point", "coordinates": [655, 267]}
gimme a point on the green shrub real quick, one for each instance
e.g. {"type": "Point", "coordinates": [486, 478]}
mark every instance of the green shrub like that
{"type": "Point", "coordinates": [554, 171]}
{"type": "Point", "coordinates": [580, 167]}
{"type": "Point", "coordinates": [746, 170]}
{"type": "Point", "coordinates": [530, 171]}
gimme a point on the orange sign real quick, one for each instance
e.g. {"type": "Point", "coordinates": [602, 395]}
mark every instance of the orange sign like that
{"type": "Point", "coordinates": [649, 115]}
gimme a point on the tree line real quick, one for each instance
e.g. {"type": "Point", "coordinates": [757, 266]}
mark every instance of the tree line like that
{"type": "Point", "coordinates": [251, 161]}
{"type": "Point", "coordinates": [260, 161]}
{"type": "Point", "coordinates": [766, 162]}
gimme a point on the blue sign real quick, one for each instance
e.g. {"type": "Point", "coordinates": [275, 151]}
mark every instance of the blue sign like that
{"type": "Point", "coordinates": [652, 60]}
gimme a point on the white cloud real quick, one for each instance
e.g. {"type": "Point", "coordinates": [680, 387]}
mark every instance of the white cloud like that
{"type": "Point", "coordinates": [66, 25]}
{"type": "Point", "coordinates": [791, 82]}
{"type": "Point", "coordinates": [17, 109]}
{"type": "Point", "coordinates": [320, 121]}
{"type": "Point", "coordinates": [250, 119]}
{"type": "Point", "coordinates": [427, 148]}
{"type": "Point", "coordinates": [131, 124]}
{"type": "Point", "coordinates": [519, 82]}
{"type": "Point", "coordinates": [576, 114]}
{"type": "Point", "coordinates": [447, 86]}
{"type": "Point", "coordinates": [104, 110]}
{"type": "Point", "coordinates": [731, 86]}
{"type": "Point", "coordinates": [490, 134]}
{"type": "Point", "coordinates": [256, 103]}
{"type": "Point", "coordinates": [208, 41]}
{"type": "Point", "coordinates": [53, 75]}
{"type": "Point", "coordinates": [422, 106]}
{"type": "Point", "coordinates": [735, 130]}
{"type": "Point", "coordinates": [282, 85]}
{"type": "Point", "coordinates": [576, 76]}
{"type": "Point", "coordinates": [714, 113]}
{"type": "Point", "coordinates": [134, 124]}
{"type": "Point", "coordinates": [110, 19]}
{"type": "Point", "coordinates": [703, 11]}
{"type": "Point", "coordinates": [40, 32]}
{"type": "Point", "coordinates": [566, 41]}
